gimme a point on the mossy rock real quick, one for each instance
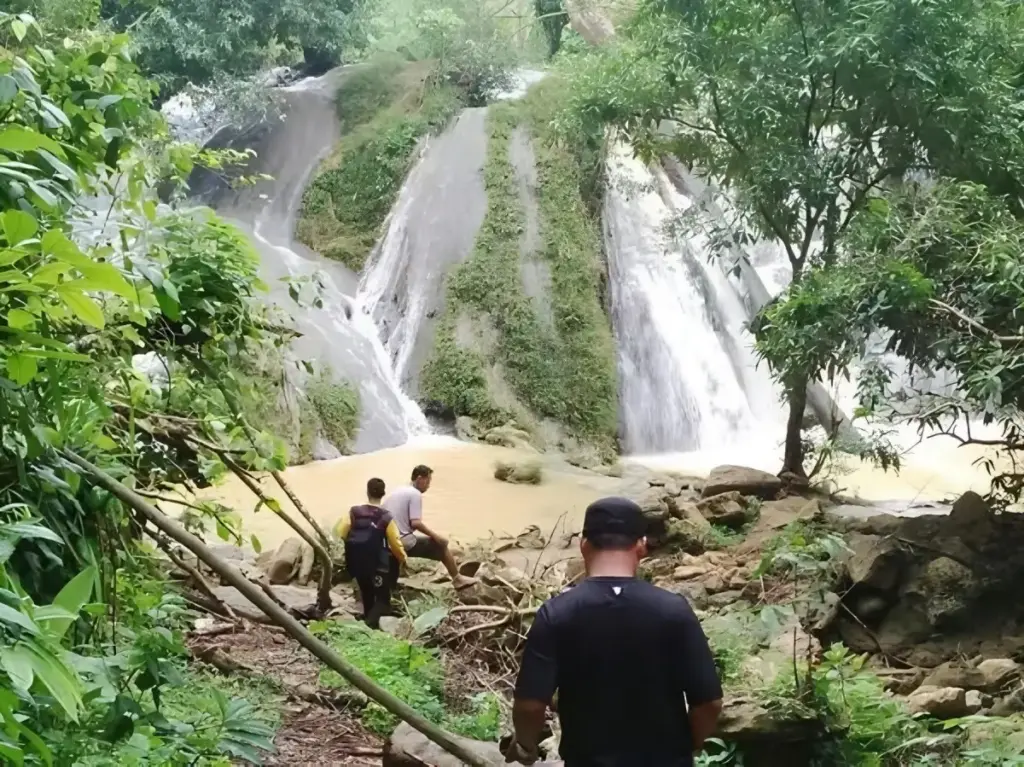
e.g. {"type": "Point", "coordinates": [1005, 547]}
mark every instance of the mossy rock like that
{"type": "Point", "coordinates": [519, 473]}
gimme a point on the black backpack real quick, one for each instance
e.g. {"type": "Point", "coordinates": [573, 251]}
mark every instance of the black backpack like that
{"type": "Point", "coordinates": [366, 546]}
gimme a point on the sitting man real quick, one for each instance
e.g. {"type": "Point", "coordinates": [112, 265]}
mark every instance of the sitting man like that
{"type": "Point", "coordinates": [369, 533]}
{"type": "Point", "coordinates": [406, 508]}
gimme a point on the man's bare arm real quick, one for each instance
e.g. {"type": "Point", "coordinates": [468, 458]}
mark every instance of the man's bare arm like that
{"type": "Point", "coordinates": [528, 722]}
{"type": "Point", "coordinates": [421, 526]}
{"type": "Point", "coordinates": [703, 721]}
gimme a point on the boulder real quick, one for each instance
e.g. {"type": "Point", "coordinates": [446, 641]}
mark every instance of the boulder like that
{"type": "Point", "coordinates": [466, 428]}
{"type": "Point", "coordinates": [976, 701]}
{"type": "Point", "coordinates": [875, 563]}
{"type": "Point", "coordinates": [409, 748]}
{"type": "Point", "coordinates": [283, 565]}
{"type": "Point", "coordinates": [681, 535]}
{"type": "Point", "coordinates": [940, 702]}
{"type": "Point", "coordinates": [306, 561]}
{"type": "Point", "coordinates": [726, 509]}
{"type": "Point", "coordinates": [519, 472]}
{"type": "Point", "coordinates": [997, 674]}
{"type": "Point", "coordinates": [767, 738]}
{"type": "Point", "coordinates": [691, 514]}
{"type": "Point", "coordinates": [948, 588]}
{"type": "Point", "coordinates": [509, 435]}
{"type": "Point", "coordinates": [743, 480]}
{"type": "Point", "coordinates": [952, 675]}
{"type": "Point", "coordinates": [685, 572]}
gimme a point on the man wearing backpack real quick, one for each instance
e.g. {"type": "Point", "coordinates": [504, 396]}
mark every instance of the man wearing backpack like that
{"type": "Point", "coordinates": [371, 541]}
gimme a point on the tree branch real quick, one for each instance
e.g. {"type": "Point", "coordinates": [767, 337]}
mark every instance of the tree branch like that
{"type": "Point", "coordinates": [974, 323]}
{"type": "Point", "coordinates": [231, 575]}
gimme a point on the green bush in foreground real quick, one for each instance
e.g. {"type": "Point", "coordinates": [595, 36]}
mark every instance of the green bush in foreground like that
{"type": "Point", "coordinates": [410, 672]}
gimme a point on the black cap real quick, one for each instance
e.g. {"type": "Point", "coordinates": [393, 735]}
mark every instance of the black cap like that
{"type": "Point", "coordinates": [614, 516]}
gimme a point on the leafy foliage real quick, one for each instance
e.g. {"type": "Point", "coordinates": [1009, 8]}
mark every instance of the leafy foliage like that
{"type": "Point", "coordinates": [937, 272]}
{"type": "Point", "coordinates": [391, 107]}
{"type": "Point", "coordinates": [188, 41]}
{"type": "Point", "coordinates": [410, 672]}
{"type": "Point", "coordinates": [804, 111]}
{"type": "Point", "coordinates": [541, 361]}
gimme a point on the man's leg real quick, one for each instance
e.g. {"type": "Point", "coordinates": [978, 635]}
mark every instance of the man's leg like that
{"type": "Point", "coordinates": [366, 594]}
{"type": "Point", "coordinates": [428, 548]}
{"type": "Point", "coordinates": [381, 590]}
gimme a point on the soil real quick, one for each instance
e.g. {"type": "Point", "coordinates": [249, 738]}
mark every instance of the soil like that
{"type": "Point", "coordinates": [310, 734]}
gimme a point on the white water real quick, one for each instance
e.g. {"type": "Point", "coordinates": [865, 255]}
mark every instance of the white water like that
{"type": "Point", "coordinates": [688, 376]}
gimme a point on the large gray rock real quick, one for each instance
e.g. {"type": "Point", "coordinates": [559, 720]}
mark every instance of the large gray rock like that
{"type": "Point", "coordinates": [940, 702]}
{"type": "Point", "coordinates": [725, 509]}
{"type": "Point", "coordinates": [409, 748]}
{"type": "Point", "coordinates": [769, 739]}
{"type": "Point", "coordinates": [743, 480]}
{"type": "Point", "coordinates": [998, 673]}
{"type": "Point", "coordinates": [875, 563]}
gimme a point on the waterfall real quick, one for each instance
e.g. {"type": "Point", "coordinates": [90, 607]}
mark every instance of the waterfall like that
{"type": "Point", "coordinates": [432, 228]}
{"type": "Point", "coordinates": [338, 334]}
{"type": "Point", "coordinates": [688, 376]}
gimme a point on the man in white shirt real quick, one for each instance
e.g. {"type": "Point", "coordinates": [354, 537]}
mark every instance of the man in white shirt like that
{"type": "Point", "coordinates": [406, 508]}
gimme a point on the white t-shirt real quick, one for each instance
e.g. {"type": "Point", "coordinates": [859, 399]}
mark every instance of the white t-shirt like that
{"type": "Point", "coordinates": [406, 506]}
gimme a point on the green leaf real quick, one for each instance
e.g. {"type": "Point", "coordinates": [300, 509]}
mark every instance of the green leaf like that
{"type": "Point", "coordinates": [56, 677]}
{"type": "Point", "coordinates": [17, 662]}
{"type": "Point", "coordinates": [17, 618]}
{"type": "Point", "coordinates": [21, 369]}
{"type": "Point", "coordinates": [256, 545]}
{"type": "Point", "coordinates": [8, 89]}
{"type": "Point", "coordinates": [19, 318]}
{"type": "Point", "coordinates": [75, 595]}
{"type": "Point", "coordinates": [15, 138]}
{"type": "Point", "coordinates": [28, 529]}
{"type": "Point", "coordinates": [87, 310]}
{"type": "Point", "coordinates": [19, 29]}
{"type": "Point", "coordinates": [18, 226]}
{"type": "Point", "coordinates": [274, 505]}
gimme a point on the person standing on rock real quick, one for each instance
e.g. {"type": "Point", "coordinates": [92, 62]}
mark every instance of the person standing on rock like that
{"type": "Point", "coordinates": [635, 679]}
{"type": "Point", "coordinates": [406, 507]}
{"type": "Point", "coordinates": [372, 544]}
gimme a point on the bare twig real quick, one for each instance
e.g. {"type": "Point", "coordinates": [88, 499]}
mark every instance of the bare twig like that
{"type": "Point", "coordinates": [193, 573]}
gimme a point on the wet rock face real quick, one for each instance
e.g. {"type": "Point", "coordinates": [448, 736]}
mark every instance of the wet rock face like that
{"type": "Point", "coordinates": [927, 588]}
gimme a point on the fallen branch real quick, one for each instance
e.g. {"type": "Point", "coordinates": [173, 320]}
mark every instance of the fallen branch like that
{"type": "Point", "coordinates": [298, 504]}
{"type": "Point", "coordinates": [234, 577]}
{"type": "Point", "coordinates": [217, 608]}
{"type": "Point", "coordinates": [165, 546]}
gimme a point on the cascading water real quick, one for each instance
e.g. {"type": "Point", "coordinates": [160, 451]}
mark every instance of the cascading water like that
{"type": "Point", "coordinates": [688, 378]}
{"type": "Point", "coordinates": [339, 335]}
{"type": "Point", "coordinates": [432, 227]}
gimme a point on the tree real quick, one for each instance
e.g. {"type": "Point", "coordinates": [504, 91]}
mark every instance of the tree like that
{"type": "Point", "coordinates": [191, 41]}
{"type": "Point", "coordinates": [938, 271]}
{"type": "Point", "coordinates": [803, 110]}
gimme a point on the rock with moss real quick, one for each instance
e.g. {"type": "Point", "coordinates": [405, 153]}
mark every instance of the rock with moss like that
{"type": "Point", "coordinates": [336, 404]}
{"type": "Point", "coordinates": [519, 472]}
{"type": "Point", "coordinates": [509, 435]}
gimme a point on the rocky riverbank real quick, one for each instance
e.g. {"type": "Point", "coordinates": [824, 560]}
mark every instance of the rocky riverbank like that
{"type": "Point", "coordinates": [826, 620]}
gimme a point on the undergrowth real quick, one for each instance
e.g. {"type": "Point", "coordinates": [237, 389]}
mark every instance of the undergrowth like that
{"type": "Point", "coordinates": [413, 673]}
{"type": "Point", "coordinates": [564, 371]}
{"type": "Point", "coordinates": [384, 109]}
{"type": "Point", "coordinates": [336, 405]}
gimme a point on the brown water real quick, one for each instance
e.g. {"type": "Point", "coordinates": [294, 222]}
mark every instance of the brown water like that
{"type": "Point", "coordinates": [464, 500]}
{"type": "Point", "coordinates": [467, 503]}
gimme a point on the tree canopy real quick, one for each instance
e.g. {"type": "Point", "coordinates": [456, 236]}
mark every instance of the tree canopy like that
{"type": "Point", "coordinates": [804, 112]}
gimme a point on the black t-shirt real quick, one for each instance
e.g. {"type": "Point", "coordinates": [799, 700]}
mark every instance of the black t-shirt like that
{"type": "Point", "coordinates": [626, 658]}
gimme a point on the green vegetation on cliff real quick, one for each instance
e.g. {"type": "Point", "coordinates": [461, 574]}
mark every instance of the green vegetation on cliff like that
{"type": "Point", "coordinates": [385, 108]}
{"type": "Point", "coordinates": [563, 369]}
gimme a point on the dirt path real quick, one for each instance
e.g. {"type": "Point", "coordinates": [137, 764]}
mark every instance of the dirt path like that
{"type": "Point", "coordinates": [310, 735]}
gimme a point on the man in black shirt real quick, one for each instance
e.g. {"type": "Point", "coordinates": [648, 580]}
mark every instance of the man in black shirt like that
{"type": "Point", "coordinates": [636, 681]}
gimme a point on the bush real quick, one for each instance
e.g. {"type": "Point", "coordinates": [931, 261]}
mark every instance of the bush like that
{"type": "Point", "coordinates": [337, 408]}
{"type": "Point", "coordinates": [410, 672]}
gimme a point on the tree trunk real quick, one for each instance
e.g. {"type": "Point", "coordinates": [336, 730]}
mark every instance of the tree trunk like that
{"type": "Point", "coordinates": [250, 591]}
{"type": "Point", "coordinates": [793, 460]}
